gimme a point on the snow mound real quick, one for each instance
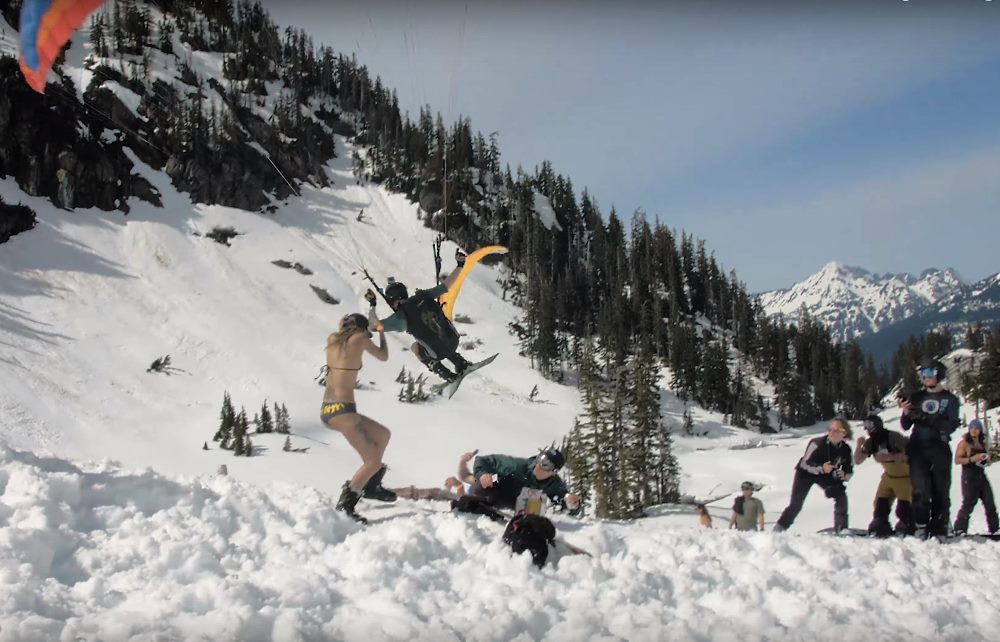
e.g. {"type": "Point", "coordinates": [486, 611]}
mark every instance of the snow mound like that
{"type": "Point", "coordinates": [97, 552]}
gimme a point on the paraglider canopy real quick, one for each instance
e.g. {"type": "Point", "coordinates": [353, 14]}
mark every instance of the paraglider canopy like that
{"type": "Point", "coordinates": [46, 25]}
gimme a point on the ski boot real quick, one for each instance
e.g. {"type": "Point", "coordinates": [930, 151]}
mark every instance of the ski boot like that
{"type": "Point", "coordinates": [348, 501]}
{"type": "Point", "coordinates": [440, 370]}
{"type": "Point", "coordinates": [375, 490]}
{"type": "Point", "coordinates": [461, 364]}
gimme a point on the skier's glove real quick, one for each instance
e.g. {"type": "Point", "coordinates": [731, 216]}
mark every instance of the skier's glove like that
{"type": "Point", "coordinates": [370, 297]}
{"type": "Point", "coordinates": [460, 257]}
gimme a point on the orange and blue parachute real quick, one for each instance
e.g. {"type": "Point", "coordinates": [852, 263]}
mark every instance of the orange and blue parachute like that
{"type": "Point", "coordinates": [46, 25]}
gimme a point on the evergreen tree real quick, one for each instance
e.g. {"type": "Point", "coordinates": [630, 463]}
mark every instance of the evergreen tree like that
{"type": "Point", "coordinates": [763, 419]}
{"type": "Point", "coordinates": [227, 421]}
{"type": "Point", "coordinates": [743, 409]}
{"type": "Point", "coordinates": [281, 424]}
{"type": "Point", "coordinates": [652, 469]}
{"type": "Point", "coordinates": [688, 421]}
{"type": "Point", "coordinates": [987, 381]}
{"type": "Point", "coordinates": [714, 392]}
{"type": "Point", "coordinates": [583, 452]}
{"type": "Point", "coordinates": [266, 424]}
{"type": "Point", "coordinates": [239, 443]}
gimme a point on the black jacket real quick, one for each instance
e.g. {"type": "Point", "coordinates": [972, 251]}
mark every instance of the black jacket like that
{"type": "Point", "coordinates": [933, 416]}
{"type": "Point", "coordinates": [820, 451]}
{"type": "Point", "coordinates": [422, 317]}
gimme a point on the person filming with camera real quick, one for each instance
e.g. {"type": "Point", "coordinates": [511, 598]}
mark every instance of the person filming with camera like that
{"type": "Point", "coordinates": [827, 463]}
{"type": "Point", "coordinates": [971, 454]}
{"type": "Point", "coordinates": [932, 413]}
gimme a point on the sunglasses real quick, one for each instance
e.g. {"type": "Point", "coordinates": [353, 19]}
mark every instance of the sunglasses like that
{"type": "Point", "coordinates": [928, 372]}
{"type": "Point", "coordinates": [546, 464]}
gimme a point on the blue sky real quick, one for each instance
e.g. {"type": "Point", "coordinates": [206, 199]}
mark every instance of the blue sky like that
{"type": "Point", "coordinates": [786, 134]}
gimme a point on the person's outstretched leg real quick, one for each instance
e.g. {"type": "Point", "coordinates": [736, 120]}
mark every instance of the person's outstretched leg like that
{"type": "Point", "coordinates": [800, 489]}
{"type": "Point", "coordinates": [989, 504]}
{"type": "Point", "coordinates": [880, 517]}
{"type": "Point", "coordinates": [970, 497]}
{"type": "Point", "coordinates": [379, 435]}
{"type": "Point", "coordinates": [840, 520]}
{"type": "Point", "coordinates": [351, 427]}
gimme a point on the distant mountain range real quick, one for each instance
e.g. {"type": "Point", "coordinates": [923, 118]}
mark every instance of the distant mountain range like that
{"type": "Point", "coordinates": [882, 310]}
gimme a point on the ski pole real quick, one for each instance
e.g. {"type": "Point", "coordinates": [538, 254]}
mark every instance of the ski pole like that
{"type": "Point", "coordinates": [372, 281]}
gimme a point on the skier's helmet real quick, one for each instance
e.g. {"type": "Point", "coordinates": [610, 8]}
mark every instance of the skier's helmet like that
{"type": "Point", "coordinates": [396, 292]}
{"type": "Point", "coordinates": [932, 368]}
{"type": "Point", "coordinates": [354, 320]}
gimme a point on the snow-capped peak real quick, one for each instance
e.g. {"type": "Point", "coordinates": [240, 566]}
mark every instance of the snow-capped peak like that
{"type": "Point", "coordinates": [853, 301]}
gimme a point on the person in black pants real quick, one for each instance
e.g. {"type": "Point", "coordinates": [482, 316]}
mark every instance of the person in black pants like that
{"type": "Point", "coordinates": [827, 463]}
{"type": "Point", "coordinates": [933, 415]}
{"type": "Point", "coordinates": [971, 455]}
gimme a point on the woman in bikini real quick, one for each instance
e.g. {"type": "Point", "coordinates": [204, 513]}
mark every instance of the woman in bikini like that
{"type": "Point", "coordinates": [344, 351]}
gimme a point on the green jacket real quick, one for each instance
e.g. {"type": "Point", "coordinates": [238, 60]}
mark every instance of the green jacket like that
{"type": "Point", "coordinates": [513, 475]}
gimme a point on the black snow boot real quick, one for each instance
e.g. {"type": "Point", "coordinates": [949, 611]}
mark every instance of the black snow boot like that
{"type": "Point", "coordinates": [348, 500]}
{"type": "Point", "coordinates": [440, 370]}
{"type": "Point", "coordinates": [375, 490]}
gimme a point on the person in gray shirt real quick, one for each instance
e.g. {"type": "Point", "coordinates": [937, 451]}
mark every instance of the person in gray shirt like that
{"type": "Point", "coordinates": [748, 511]}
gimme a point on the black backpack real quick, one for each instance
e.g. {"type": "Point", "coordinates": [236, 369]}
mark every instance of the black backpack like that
{"type": "Point", "coordinates": [532, 533]}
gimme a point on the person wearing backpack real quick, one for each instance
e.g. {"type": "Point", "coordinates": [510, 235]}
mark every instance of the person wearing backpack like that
{"type": "Point", "coordinates": [748, 511]}
{"type": "Point", "coordinates": [888, 448]}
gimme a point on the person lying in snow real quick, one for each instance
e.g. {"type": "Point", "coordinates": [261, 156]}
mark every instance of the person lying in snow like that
{"type": "Point", "coordinates": [499, 479]}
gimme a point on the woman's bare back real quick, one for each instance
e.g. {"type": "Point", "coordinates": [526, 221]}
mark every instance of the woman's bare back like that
{"type": "Point", "coordinates": [344, 364]}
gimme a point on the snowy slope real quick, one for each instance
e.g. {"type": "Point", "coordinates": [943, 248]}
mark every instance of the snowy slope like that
{"type": "Point", "coordinates": [117, 551]}
{"type": "Point", "coordinates": [114, 525]}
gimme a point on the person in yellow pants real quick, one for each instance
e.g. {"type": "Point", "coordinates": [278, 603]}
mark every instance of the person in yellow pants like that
{"type": "Point", "coordinates": [889, 449]}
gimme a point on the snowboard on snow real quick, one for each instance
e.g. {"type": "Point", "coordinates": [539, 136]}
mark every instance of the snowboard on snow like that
{"type": "Point", "coordinates": [971, 537]}
{"type": "Point", "coordinates": [846, 532]}
{"type": "Point", "coordinates": [449, 388]}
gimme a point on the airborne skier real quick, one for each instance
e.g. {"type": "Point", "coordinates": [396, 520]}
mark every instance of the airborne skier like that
{"type": "Point", "coordinates": [421, 316]}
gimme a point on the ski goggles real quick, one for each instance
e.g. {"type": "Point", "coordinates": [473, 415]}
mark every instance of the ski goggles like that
{"type": "Point", "coordinates": [928, 372]}
{"type": "Point", "coordinates": [546, 464]}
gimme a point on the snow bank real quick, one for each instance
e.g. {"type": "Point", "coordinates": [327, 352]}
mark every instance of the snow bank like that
{"type": "Point", "coordinates": [95, 552]}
